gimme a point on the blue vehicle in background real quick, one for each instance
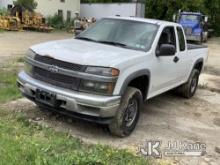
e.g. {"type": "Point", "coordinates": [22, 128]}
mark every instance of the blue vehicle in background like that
{"type": "Point", "coordinates": [195, 26]}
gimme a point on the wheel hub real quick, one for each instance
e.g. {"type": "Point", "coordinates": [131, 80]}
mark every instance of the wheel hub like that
{"type": "Point", "coordinates": [131, 112]}
{"type": "Point", "coordinates": [193, 84]}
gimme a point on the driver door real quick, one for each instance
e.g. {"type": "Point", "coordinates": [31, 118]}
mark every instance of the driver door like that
{"type": "Point", "coordinates": [164, 76]}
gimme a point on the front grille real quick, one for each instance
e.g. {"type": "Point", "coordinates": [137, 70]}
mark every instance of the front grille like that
{"type": "Point", "coordinates": [61, 64]}
{"type": "Point", "coordinates": [56, 79]}
{"type": "Point", "coordinates": [188, 31]}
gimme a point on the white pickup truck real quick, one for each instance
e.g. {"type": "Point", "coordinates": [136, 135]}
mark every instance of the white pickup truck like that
{"type": "Point", "coordinates": [106, 72]}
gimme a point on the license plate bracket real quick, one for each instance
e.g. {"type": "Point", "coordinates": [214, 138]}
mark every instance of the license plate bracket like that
{"type": "Point", "coordinates": [45, 97]}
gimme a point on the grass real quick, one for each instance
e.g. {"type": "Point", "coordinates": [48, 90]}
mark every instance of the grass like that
{"type": "Point", "coordinates": [25, 143]}
{"type": "Point", "coordinates": [20, 60]}
{"type": "Point", "coordinates": [8, 88]}
{"type": "Point", "coordinates": [28, 143]}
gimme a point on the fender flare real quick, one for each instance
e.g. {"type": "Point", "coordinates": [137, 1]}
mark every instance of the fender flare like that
{"type": "Point", "coordinates": [197, 61]}
{"type": "Point", "coordinates": [134, 75]}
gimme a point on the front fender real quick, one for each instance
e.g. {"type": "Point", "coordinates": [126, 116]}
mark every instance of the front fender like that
{"type": "Point", "coordinates": [132, 76]}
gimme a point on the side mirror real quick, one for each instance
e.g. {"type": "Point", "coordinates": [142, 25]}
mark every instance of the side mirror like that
{"type": "Point", "coordinates": [166, 50]}
{"type": "Point", "coordinates": [174, 18]}
{"type": "Point", "coordinates": [206, 19]}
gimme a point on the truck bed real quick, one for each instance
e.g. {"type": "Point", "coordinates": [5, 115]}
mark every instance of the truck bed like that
{"type": "Point", "coordinates": [194, 46]}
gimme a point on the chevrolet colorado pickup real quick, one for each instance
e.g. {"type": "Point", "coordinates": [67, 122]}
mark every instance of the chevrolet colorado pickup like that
{"type": "Point", "coordinates": [105, 73]}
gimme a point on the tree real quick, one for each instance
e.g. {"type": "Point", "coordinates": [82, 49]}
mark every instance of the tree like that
{"type": "Point", "coordinates": [3, 11]}
{"type": "Point", "coordinates": [164, 9]}
{"type": "Point", "coordinates": [30, 4]}
{"type": "Point", "coordinates": [213, 10]}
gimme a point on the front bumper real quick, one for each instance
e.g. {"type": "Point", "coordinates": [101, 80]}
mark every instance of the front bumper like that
{"type": "Point", "coordinates": [84, 104]}
{"type": "Point", "coordinates": [193, 38]}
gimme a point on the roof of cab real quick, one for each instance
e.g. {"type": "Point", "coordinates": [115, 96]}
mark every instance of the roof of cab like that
{"type": "Point", "coordinates": [152, 21]}
{"type": "Point", "coordinates": [191, 13]}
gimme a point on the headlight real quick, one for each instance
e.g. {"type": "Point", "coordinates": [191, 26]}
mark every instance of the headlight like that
{"type": "Point", "coordinates": [30, 54]}
{"type": "Point", "coordinates": [28, 68]}
{"type": "Point", "coordinates": [105, 88]}
{"type": "Point", "coordinates": [102, 71]}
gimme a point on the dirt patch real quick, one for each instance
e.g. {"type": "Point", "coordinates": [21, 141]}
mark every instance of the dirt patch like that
{"type": "Point", "coordinates": [216, 121]}
{"type": "Point", "coordinates": [212, 70]}
{"type": "Point", "coordinates": [213, 62]}
{"type": "Point", "coordinates": [15, 44]}
{"type": "Point", "coordinates": [165, 118]}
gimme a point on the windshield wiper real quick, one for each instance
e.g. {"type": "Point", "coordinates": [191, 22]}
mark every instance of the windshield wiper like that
{"type": "Point", "coordinates": [86, 39]}
{"type": "Point", "coordinates": [113, 43]}
{"type": "Point", "coordinates": [105, 42]}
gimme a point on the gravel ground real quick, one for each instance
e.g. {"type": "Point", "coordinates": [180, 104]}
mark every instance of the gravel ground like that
{"type": "Point", "coordinates": [15, 44]}
{"type": "Point", "coordinates": [166, 117]}
{"type": "Point", "coordinates": [213, 63]}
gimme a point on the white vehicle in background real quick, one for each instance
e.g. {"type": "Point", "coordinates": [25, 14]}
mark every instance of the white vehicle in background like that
{"type": "Point", "coordinates": [107, 72]}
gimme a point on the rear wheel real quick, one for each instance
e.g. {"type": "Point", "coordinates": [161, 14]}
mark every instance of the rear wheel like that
{"type": "Point", "coordinates": [128, 113]}
{"type": "Point", "coordinates": [201, 39]}
{"type": "Point", "coordinates": [205, 37]}
{"type": "Point", "coordinates": [188, 89]}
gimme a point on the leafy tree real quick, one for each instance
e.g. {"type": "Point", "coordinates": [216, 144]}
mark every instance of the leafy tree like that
{"type": "Point", "coordinates": [106, 1]}
{"type": "Point", "coordinates": [213, 10]}
{"type": "Point", "coordinates": [31, 4]}
{"type": "Point", "coordinates": [164, 9]}
{"type": "Point", "coordinates": [3, 11]}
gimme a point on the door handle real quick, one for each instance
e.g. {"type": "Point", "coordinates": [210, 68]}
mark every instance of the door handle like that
{"type": "Point", "coordinates": [176, 59]}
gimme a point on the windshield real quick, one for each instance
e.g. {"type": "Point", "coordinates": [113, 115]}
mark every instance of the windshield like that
{"type": "Point", "coordinates": [193, 18]}
{"type": "Point", "coordinates": [123, 33]}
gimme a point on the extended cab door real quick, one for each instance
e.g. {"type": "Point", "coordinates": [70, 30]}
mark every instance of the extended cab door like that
{"type": "Point", "coordinates": [165, 68]}
{"type": "Point", "coordinates": [185, 59]}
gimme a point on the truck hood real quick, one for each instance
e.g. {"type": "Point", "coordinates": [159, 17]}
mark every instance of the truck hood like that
{"type": "Point", "coordinates": [86, 52]}
{"type": "Point", "coordinates": [191, 24]}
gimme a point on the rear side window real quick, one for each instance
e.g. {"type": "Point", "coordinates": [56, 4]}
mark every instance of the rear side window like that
{"type": "Point", "coordinates": [182, 43]}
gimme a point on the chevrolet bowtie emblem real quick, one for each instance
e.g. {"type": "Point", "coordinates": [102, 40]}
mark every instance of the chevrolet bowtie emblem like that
{"type": "Point", "coordinates": [53, 69]}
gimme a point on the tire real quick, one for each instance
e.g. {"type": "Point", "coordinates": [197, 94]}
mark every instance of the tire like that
{"type": "Point", "coordinates": [206, 40]}
{"type": "Point", "coordinates": [188, 89]}
{"type": "Point", "coordinates": [201, 39]}
{"type": "Point", "coordinates": [127, 115]}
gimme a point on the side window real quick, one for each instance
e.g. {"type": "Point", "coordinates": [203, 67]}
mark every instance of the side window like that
{"type": "Point", "coordinates": [60, 13]}
{"type": "Point", "coordinates": [168, 37]}
{"type": "Point", "coordinates": [68, 16]}
{"type": "Point", "coordinates": [182, 43]}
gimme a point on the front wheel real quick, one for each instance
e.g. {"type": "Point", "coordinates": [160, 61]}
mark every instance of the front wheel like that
{"type": "Point", "coordinates": [127, 115]}
{"type": "Point", "coordinates": [201, 39]}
